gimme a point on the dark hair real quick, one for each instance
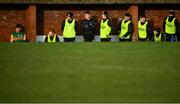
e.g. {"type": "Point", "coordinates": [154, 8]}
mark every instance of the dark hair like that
{"type": "Point", "coordinates": [172, 12]}
{"type": "Point", "coordinates": [52, 30]}
{"type": "Point", "coordinates": [70, 14]}
{"type": "Point", "coordinates": [158, 30]}
{"type": "Point", "coordinates": [128, 14]}
{"type": "Point", "coordinates": [105, 13]}
{"type": "Point", "coordinates": [87, 12]}
{"type": "Point", "coordinates": [142, 16]}
{"type": "Point", "coordinates": [20, 27]}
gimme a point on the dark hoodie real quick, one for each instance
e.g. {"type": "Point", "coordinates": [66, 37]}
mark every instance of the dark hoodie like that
{"type": "Point", "coordinates": [170, 19]}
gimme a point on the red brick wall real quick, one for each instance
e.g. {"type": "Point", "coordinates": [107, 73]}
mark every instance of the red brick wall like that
{"type": "Point", "coordinates": [51, 16]}
{"type": "Point", "coordinates": [8, 21]}
{"type": "Point", "coordinates": [133, 10]}
{"type": "Point", "coordinates": [53, 19]}
{"type": "Point", "coordinates": [156, 13]}
{"type": "Point", "coordinates": [31, 23]}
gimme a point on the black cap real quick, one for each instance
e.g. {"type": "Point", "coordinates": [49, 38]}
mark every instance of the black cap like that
{"type": "Point", "coordinates": [158, 30]}
{"type": "Point", "coordinates": [70, 14]}
{"type": "Point", "coordinates": [87, 12]}
{"type": "Point", "coordinates": [172, 12]}
{"type": "Point", "coordinates": [105, 13]}
{"type": "Point", "coordinates": [19, 26]}
{"type": "Point", "coordinates": [128, 15]}
{"type": "Point", "coordinates": [142, 16]}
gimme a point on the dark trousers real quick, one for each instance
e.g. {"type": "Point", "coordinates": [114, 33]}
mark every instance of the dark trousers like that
{"type": "Point", "coordinates": [69, 39]}
{"type": "Point", "coordinates": [124, 40]}
{"type": "Point", "coordinates": [142, 40]}
{"type": "Point", "coordinates": [178, 37]}
{"type": "Point", "coordinates": [169, 37]}
{"type": "Point", "coordinates": [88, 37]}
{"type": "Point", "coordinates": [105, 39]}
{"type": "Point", "coordinates": [88, 40]}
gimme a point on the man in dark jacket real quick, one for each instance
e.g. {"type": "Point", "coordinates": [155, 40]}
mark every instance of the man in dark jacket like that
{"type": "Point", "coordinates": [88, 26]}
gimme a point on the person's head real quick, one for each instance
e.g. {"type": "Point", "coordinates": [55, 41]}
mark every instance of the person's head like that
{"type": "Point", "coordinates": [87, 15]}
{"type": "Point", "coordinates": [104, 15]}
{"type": "Point", "coordinates": [142, 18]}
{"type": "Point", "coordinates": [69, 16]}
{"type": "Point", "coordinates": [51, 32]}
{"type": "Point", "coordinates": [157, 30]}
{"type": "Point", "coordinates": [171, 13]}
{"type": "Point", "coordinates": [19, 28]}
{"type": "Point", "coordinates": [127, 17]}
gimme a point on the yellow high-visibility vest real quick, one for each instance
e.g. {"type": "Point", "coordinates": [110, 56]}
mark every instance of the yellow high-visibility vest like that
{"type": "Point", "coordinates": [170, 27]}
{"type": "Point", "coordinates": [142, 30]}
{"type": "Point", "coordinates": [69, 29]}
{"type": "Point", "coordinates": [157, 38]}
{"type": "Point", "coordinates": [53, 40]}
{"type": "Point", "coordinates": [105, 29]}
{"type": "Point", "coordinates": [124, 29]}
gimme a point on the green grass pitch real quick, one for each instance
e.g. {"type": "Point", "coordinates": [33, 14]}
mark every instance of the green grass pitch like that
{"type": "Point", "coordinates": [90, 72]}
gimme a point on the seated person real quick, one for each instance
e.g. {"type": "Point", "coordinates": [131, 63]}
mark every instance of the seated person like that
{"type": "Point", "coordinates": [18, 35]}
{"type": "Point", "coordinates": [51, 37]}
{"type": "Point", "coordinates": [157, 35]}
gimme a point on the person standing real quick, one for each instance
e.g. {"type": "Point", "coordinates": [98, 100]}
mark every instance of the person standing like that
{"type": "Point", "coordinates": [88, 26]}
{"type": "Point", "coordinates": [170, 26]}
{"type": "Point", "coordinates": [105, 27]}
{"type": "Point", "coordinates": [125, 28]}
{"type": "Point", "coordinates": [69, 28]}
{"type": "Point", "coordinates": [143, 29]}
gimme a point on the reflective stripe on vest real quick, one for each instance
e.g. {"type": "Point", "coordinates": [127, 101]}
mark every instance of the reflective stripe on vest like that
{"type": "Point", "coordinates": [105, 29]}
{"type": "Point", "coordinates": [157, 39]}
{"type": "Point", "coordinates": [170, 27]}
{"type": "Point", "coordinates": [53, 40]}
{"type": "Point", "coordinates": [124, 29]}
{"type": "Point", "coordinates": [69, 29]}
{"type": "Point", "coordinates": [142, 30]}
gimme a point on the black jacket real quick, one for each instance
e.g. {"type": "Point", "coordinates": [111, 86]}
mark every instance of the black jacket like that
{"type": "Point", "coordinates": [170, 19]}
{"type": "Point", "coordinates": [130, 28]}
{"type": "Point", "coordinates": [88, 26]}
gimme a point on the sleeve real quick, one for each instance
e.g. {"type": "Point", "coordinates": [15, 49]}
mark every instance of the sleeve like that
{"type": "Point", "coordinates": [110, 25]}
{"type": "Point", "coordinates": [164, 22]}
{"type": "Point", "coordinates": [119, 26]}
{"type": "Point", "coordinates": [148, 31]}
{"type": "Point", "coordinates": [76, 26]}
{"type": "Point", "coordinates": [57, 38]}
{"type": "Point", "coordinates": [162, 37]}
{"type": "Point", "coordinates": [130, 29]}
{"type": "Point", "coordinates": [152, 38]}
{"type": "Point", "coordinates": [62, 25]}
{"type": "Point", "coordinates": [46, 39]}
{"type": "Point", "coordinates": [177, 26]}
{"type": "Point", "coordinates": [81, 24]}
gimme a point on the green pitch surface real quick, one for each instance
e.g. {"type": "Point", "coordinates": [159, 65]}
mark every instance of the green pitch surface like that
{"type": "Point", "coordinates": [90, 72]}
